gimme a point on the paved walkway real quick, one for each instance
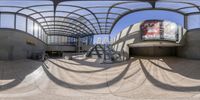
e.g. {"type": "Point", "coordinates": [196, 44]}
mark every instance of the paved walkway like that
{"type": "Point", "coordinates": [83, 79]}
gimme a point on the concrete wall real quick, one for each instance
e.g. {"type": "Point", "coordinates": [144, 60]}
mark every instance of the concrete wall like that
{"type": "Point", "coordinates": [191, 49]}
{"type": "Point", "coordinates": [153, 51]}
{"type": "Point", "coordinates": [13, 45]}
{"type": "Point", "coordinates": [132, 35]}
{"type": "Point", "coordinates": [129, 35]}
{"type": "Point", "coordinates": [69, 48]}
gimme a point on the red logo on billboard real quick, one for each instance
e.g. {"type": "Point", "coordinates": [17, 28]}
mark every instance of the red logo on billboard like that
{"type": "Point", "coordinates": [151, 27]}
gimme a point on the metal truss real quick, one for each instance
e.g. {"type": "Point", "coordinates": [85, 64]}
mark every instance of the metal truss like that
{"type": "Point", "coordinates": [68, 18]}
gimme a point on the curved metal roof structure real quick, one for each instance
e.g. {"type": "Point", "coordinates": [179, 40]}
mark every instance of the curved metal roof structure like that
{"type": "Point", "coordinates": [79, 18]}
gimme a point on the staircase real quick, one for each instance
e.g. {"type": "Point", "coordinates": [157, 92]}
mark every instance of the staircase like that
{"type": "Point", "coordinates": [104, 53]}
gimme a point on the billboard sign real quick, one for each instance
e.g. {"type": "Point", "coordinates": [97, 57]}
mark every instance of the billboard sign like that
{"type": "Point", "coordinates": [151, 30]}
{"type": "Point", "coordinates": [159, 30]}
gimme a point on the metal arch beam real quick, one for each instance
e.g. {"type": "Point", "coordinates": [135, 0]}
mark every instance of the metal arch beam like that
{"type": "Point", "coordinates": [192, 13]}
{"type": "Point", "coordinates": [60, 30]}
{"type": "Point", "coordinates": [26, 17]}
{"type": "Point", "coordinates": [40, 13]}
{"type": "Point", "coordinates": [183, 3]}
{"type": "Point", "coordinates": [62, 35]}
{"type": "Point", "coordinates": [70, 12]}
{"type": "Point", "coordinates": [95, 13]}
{"type": "Point", "coordinates": [71, 31]}
{"type": "Point", "coordinates": [161, 1]}
{"type": "Point", "coordinates": [66, 29]}
{"type": "Point", "coordinates": [104, 18]}
{"type": "Point", "coordinates": [81, 8]}
{"type": "Point", "coordinates": [60, 1]}
{"type": "Point", "coordinates": [67, 12]}
{"type": "Point", "coordinates": [79, 15]}
{"type": "Point", "coordinates": [76, 29]}
{"type": "Point", "coordinates": [79, 26]}
{"type": "Point", "coordinates": [167, 9]}
{"type": "Point", "coordinates": [185, 15]}
{"type": "Point", "coordinates": [68, 35]}
{"type": "Point", "coordinates": [114, 5]}
{"type": "Point", "coordinates": [64, 26]}
{"type": "Point", "coordinates": [103, 13]}
{"type": "Point", "coordinates": [84, 9]}
{"type": "Point", "coordinates": [17, 13]}
{"type": "Point", "coordinates": [63, 32]}
{"type": "Point", "coordinates": [186, 7]}
{"type": "Point", "coordinates": [146, 0]}
{"type": "Point", "coordinates": [29, 8]}
{"type": "Point", "coordinates": [101, 25]}
{"type": "Point", "coordinates": [66, 18]}
{"type": "Point", "coordinates": [193, 6]}
{"type": "Point", "coordinates": [138, 10]}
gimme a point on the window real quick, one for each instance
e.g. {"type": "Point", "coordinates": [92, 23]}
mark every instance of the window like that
{"type": "Point", "coordinates": [36, 30]}
{"type": "Point", "coordinates": [7, 21]}
{"type": "Point", "coordinates": [21, 23]}
{"type": "Point", "coordinates": [30, 26]}
{"type": "Point", "coordinates": [193, 21]}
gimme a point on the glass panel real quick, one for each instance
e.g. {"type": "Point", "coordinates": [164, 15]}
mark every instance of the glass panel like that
{"type": "Point", "coordinates": [23, 3]}
{"type": "Point", "coordinates": [99, 10]}
{"type": "Point", "coordinates": [45, 37]}
{"type": "Point", "coordinates": [189, 10]}
{"type": "Point", "coordinates": [41, 20]}
{"type": "Point", "coordinates": [9, 9]}
{"type": "Point", "coordinates": [21, 23]}
{"type": "Point", "coordinates": [48, 40]}
{"type": "Point", "coordinates": [30, 26]}
{"type": "Point", "coordinates": [36, 16]}
{"type": "Point", "coordinates": [72, 15]}
{"type": "Point", "coordinates": [113, 15]}
{"type": "Point", "coordinates": [193, 21]}
{"type": "Point", "coordinates": [43, 8]}
{"type": "Point", "coordinates": [26, 11]}
{"type": "Point", "coordinates": [7, 21]}
{"type": "Point", "coordinates": [67, 8]}
{"type": "Point", "coordinates": [89, 3]}
{"type": "Point", "coordinates": [135, 5]}
{"type": "Point", "coordinates": [47, 13]}
{"type": "Point", "coordinates": [61, 14]}
{"type": "Point", "coordinates": [36, 30]}
{"type": "Point", "coordinates": [172, 5]}
{"type": "Point", "coordinates": [118, 10]}
{"type": "Point", "coordinates": [83, 12]}
{"type": "Point", "coordinates": [39, 33]}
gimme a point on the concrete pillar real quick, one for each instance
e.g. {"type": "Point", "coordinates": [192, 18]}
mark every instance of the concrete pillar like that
{"type": "Point", "coordinates": [78, 45]}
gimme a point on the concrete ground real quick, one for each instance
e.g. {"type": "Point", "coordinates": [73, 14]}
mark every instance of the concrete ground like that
{"type": "Point", "coordinates": [141, 78]}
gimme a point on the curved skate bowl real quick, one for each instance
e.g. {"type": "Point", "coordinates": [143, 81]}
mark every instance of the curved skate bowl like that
{"type": "Point", "coordinates": [138, 78]}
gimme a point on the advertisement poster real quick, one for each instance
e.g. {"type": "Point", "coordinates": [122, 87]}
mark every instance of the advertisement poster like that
{"type": "Point", "coordinates": [169, 31]}
{"type": "Point", "coordinates": [151, 30]}
{"type": "Point", "coordinates": [159, 30]}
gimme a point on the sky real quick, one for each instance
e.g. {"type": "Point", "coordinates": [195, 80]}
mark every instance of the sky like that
{"type": "Point", "coordinates": [140, 16]}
